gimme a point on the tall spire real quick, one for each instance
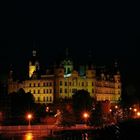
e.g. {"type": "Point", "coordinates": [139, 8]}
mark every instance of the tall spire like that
{"type": "Point", "coordinates": [90, 60]}
{"type": "Point", "coordinates": [67, 63]}
{"type": "Point", "coordinates": [10, 76]}
{"type": "Point", "coordinates": [116, 64]}
{"type": "Point", "coordinates": [34, 53]}
{"type": "Point", "coordinates": [34, 65]}
{"type": "Point", "coordinates": [116, 67]}
{"type": "Point", "coordinates": [67, 52]}
{"type": "Point", "coordinates": [90, 54]}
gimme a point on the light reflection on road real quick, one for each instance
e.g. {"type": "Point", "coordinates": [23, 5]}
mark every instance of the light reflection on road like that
{"type": "Point", "coordinates": [28, 136]}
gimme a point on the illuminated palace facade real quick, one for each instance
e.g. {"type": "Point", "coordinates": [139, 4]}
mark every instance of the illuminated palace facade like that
{"type": "Point", "coordinates": [63, 80]}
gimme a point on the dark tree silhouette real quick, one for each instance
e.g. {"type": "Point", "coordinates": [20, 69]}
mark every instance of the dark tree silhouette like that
{"type": "Point", "coordinates": [129, 96]}
{"type": "Point", "coordinates": [82, 102]}
{"type": "Point", "coordinates": [20, 103]}
{"type": "Point", "coordinates": [68, 118]}
{"type": "Point", "coordinates": [96, 115]}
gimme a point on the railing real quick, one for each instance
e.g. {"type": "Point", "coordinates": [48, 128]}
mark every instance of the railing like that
{"type": "Point", "coordinates": [41, 130]}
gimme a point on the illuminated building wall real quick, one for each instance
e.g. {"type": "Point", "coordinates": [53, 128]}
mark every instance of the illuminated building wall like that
{"type": "Point", "coordinates": [14, 86]}
{"type": "Point", "coordinates": [64, 81]}
{"type": "Point", "coordinates": [107, 88]}
{"type": "Point", "coordinates": [66, 86]}
{"type": "Point", "coordinates": [42, 90]}
{"type": "Point", "coordinates": [32, 68]}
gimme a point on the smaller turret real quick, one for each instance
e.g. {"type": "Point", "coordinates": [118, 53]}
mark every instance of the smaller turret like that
{"type": "Point", "coordinates": [10, 74]}
{"type": "Point", "coordinates": [33, 64]}
{"type": "Point", "coordinates": [116, 72]}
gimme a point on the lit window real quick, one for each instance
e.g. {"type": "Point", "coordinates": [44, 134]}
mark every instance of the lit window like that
{"type": "Point", "coordinates": [60, 90]}
{"type": "Point", "coordinates": [50, 90]}
{"type": "Point", "coordinates": [61, 83]}
{"type": "Point", "coordinates": [44, 90]}
{"type": "Point", "coordinates": [50, 84]}
{"type": "Point", "coordinates": [44, 84]}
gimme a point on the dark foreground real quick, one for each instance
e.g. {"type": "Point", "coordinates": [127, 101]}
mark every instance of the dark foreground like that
{"type": "Point", "coordinates": [123, 131]}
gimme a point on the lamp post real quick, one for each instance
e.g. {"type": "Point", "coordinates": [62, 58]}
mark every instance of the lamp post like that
{"type": "Point", "coordinates": [85, 116]}
{"type": "Point", "coordinates": [29, 117]}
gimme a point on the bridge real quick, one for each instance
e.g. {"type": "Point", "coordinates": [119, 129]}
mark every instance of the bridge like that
{"type": "Point", "coordinates": [40, 130]}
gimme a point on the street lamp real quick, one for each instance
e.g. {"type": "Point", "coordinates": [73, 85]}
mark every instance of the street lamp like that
{"type": "Point", "coordinates": [116, 107]}
{"type": "Point", "coordinates": [29, 117]}
{"type": "Point", "coordinates": [138, 114]}
{"type": "Point", "coordinates": [85, 116]}
{"type": "Point", "coordinates": [135, 109]}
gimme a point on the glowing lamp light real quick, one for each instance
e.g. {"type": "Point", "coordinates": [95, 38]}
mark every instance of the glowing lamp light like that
{"type": "Point", "coordinates": [85, 115]}
{"type": "Point", "coordinates": [116, 106]}
{"type": "Point", "coordinates": [135, 110]}
{"type": "Point", "coordinates": [47, 109]}
{"type": "Point", "coordinates": [29, 116]}
{"type": "Point", "coordinates": [130, 108]}
{"type": "Point", "coordinates": [138, 114]}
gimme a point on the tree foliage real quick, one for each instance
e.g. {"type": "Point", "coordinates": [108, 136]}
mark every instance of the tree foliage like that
{"type": "Point", "coordinates": [129, 96]}
{"type": "Point", "coordinates": [68, 118]}
{"type": "Point", "coordinates": [82, 102]}
{"type": "Point", "coordinates": [20, 103]}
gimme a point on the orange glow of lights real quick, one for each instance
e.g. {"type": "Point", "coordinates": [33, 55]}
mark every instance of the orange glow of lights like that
{"type": "Point", "coordinates": [138, 114]}
{"type": "Point", "coordinates": [85, 115]}
{"type": "Point", "coordinates": [116, 106]}
{"type": "Point", "coordinates": [29, 136]}
{"type": "Point", "coordinates": [47, 109]}
{"type": "Point", "coordinates": [135, 110]}
{"type": "Point", "coordinates": [29, 116]}
{"type": "Point", "coordinates": [130, 108]}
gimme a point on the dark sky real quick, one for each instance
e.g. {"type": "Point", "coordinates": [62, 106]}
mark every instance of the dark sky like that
{"type": "Point", "coordinates": [109, 32]}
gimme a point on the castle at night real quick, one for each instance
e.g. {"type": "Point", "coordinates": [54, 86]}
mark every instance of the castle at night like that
{"type": "Point", "coordinates": [62, 80]}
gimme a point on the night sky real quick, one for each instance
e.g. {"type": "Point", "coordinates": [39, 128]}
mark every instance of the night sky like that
{"type": "Point", "coordinates": [109, 33]}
